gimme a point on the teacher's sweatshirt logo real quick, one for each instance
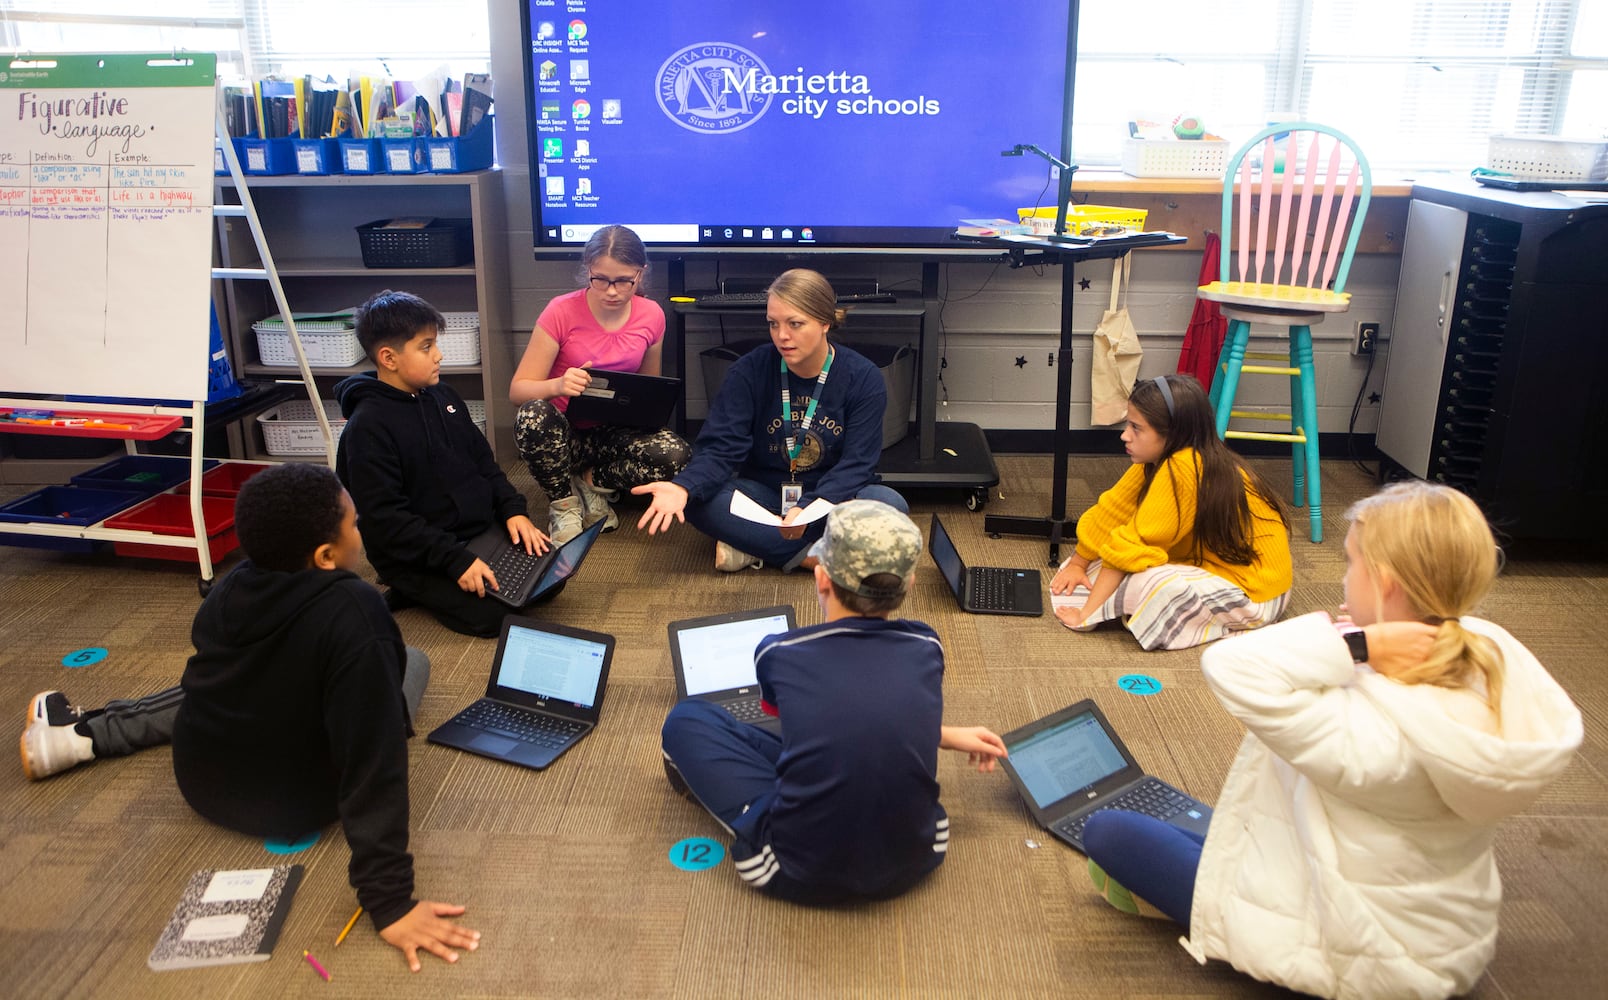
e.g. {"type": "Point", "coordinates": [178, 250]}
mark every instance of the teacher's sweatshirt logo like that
{"type": "Point", "coordinates": [702, 88]}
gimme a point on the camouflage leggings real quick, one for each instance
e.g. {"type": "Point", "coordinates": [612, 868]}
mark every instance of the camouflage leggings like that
{"type": "Point", "coordinates": [619, 457]}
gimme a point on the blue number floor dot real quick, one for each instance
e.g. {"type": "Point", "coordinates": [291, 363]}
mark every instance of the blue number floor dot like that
{"type": "Point", "coordinates": [694, 854]}
{"type": "Point", "coordinates": [84, 657]}
{"type": "Point", "coordinates": [1141, 684]}
{"type": "Point", "coordinates": [287, 846]}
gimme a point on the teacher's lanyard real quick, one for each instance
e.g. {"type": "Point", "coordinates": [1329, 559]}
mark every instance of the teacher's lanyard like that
{"type": "Point", "coordinates": [809, 411]}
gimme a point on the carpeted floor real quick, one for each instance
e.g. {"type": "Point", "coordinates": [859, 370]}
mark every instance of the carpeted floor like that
{"type": "Point", "coordinates": [566, 871]}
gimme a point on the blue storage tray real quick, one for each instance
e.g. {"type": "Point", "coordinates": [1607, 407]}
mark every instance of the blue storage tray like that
{"type": "Point", "coordinates": [361, 156]}
{"type": "Point", "coordinates": [148, 474]}
{"type": "Point", "coordinates": [267, 156]}
{"type": "Point", "coordinates": [63, 505]}
{"type": "Point", "coordinates": [462, 154]}
{"type": "Point", "coordinates": [317, 156]}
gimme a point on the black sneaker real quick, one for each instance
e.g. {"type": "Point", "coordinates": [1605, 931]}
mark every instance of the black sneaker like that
{"type": "Point", "coordinates": [396, 601]}
{"type": "Point", "coordinates": [678, 784]}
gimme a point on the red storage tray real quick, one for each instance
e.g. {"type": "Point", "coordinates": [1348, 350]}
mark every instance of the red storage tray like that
{"type": "Point", "coordinates": [169, 514]}
{"type": "Point", "coordinates": [226, 480]}
{"type": "Point", "coordinates": [90, 424]}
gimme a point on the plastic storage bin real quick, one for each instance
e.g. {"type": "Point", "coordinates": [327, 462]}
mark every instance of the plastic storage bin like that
{"type": "Point", "coordinates": [1549, 158]}
{"type": "Point", "coordinates": [463, 153]}
{"type": "Point", "coordinates": [73, 505]}
{"type": "Point", "coordinates": [460, 339]}
{"type": "Point", "coordinates": [437, 243]}
{"type": "Point", "coordinates": [146, 474]}
{"type": "Point", "coordinates": [1092, 220]}
{"type": "Point", "coordinates": [328, 339]}
{"type": "Point", "coordinates": [169, 514]}
{"type": "Point", "coordinates": [267, 156]}
{"type": "Point", "coordinates": [291, 428]}
{"type": "Point", "coordinates": [226, 479]}
{"type": "Point", "coordinates": [404, 156]}
{"type": "Point", "coordinates": [361, 156]}
{"type": "Point", "coordinates": [1183, 158]}
{"type": "Point", "coordinates": [317, 156]}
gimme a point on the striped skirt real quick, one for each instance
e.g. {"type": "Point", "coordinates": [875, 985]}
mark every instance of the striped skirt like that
{"type": "Point", "coordinates": [1175, 607]}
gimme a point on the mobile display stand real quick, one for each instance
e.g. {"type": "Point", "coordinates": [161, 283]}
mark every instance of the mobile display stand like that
{"type": "Point", "coordinates": [106, 205]}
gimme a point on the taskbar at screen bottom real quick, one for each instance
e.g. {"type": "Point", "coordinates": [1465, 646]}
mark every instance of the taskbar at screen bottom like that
{"type": "Point", "coordinates": [750, 235]}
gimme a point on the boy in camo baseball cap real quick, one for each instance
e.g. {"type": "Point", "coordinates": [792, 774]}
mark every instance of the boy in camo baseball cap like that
{"type": "Point", "coordinates": [870, 550]}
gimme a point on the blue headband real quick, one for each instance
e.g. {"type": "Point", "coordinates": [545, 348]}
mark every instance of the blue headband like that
{"type": "Point", "coordinates": [1166, 393]}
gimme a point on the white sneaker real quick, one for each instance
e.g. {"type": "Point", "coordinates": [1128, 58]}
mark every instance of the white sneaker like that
{"type": "Point", "coordinates": [49, 742]}
{"type": "Point", "coordinates": [565, 519]}
{"type": "Point", "coordinates": [595, 503]}
{"type": "Point", "coordinates": [730, 559]}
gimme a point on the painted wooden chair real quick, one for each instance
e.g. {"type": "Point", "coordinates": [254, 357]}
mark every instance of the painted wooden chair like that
{"type": "Point", "coordinates": [1294, 199]}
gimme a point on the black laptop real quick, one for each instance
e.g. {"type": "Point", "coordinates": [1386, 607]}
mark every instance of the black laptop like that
{"type": "Point", "coordinates": [1071, 764]}
{"type": "Point", "coordinates": [545, 693]}
{"type": "Point", "coordinates": [522, 577]}
{"type": "Point", "coordinates": [985, 590]}
{"type": "Point", "coordinates": [714, 659]}
{"type": "Point", "coordinates": [626, 399]}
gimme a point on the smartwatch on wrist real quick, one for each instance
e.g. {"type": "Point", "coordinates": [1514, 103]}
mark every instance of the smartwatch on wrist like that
{"type": "Point", "coordinates": [1357, 640]}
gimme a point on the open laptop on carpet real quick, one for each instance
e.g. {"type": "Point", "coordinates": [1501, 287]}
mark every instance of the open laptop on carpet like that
{"type": "Point", "coordinates": [522, 577]}
{"type": "Point", "coordinates": [714, 659]}
{"type": "Point", "coordinates": [544, 694]}
{"type": "Point", "coordinates": [1071, 764]}
{"type": "Point", "coordinates": [627, 399]}
{"type": "Point", "coordinates": [985, 590]}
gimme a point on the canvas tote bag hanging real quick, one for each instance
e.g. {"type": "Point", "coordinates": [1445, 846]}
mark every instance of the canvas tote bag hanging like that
{"type": "Point", "coordinates": [1116, 352]}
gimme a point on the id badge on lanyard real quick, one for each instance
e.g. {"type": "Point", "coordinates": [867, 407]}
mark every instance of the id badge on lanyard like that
{"type": "Point", "coordinates": [792, 493]}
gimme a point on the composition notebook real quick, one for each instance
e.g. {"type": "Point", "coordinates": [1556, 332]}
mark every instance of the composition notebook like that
{"type": "Point", "coordinates": [225, 917]}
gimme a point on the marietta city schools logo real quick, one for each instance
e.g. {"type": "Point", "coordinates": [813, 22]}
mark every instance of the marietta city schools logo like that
{"type": "Point", "coordinates": [708, 87]}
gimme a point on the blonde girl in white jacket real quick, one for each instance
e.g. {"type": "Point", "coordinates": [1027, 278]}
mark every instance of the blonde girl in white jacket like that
{"type": "Point", "coordinates": [1350, 851]}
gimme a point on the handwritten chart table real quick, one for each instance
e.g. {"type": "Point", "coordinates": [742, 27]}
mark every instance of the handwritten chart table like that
{"type": "Point", "coordinates": [106, 185]}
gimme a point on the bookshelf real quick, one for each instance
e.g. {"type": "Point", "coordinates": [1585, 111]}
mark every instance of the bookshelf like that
{"type": "Point", "coordinates": [310, 222]}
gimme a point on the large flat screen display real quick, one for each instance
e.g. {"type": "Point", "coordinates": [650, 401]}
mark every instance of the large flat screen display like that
{"type": "Point", "coordinates": [732, 123]}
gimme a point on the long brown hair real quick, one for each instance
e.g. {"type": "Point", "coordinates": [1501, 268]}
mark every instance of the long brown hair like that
{"type": "Point", "coordinates": [1433, 543]}
{"type": "Point", "coordinates": [1222, 511]}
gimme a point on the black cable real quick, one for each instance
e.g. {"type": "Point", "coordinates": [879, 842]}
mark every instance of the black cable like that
{"type": "Point", "coordinates": [1356, 409]}
{"type": "Point", "coordinates": [943, 331]}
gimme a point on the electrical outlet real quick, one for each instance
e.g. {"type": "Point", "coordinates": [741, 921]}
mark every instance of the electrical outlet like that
{"type": "Point", "coordinates": [1367, 338]}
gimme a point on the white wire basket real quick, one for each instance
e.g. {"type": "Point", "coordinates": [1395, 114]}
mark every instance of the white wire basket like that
{"type": "Point", "coordinates": [460, 339]}
{"type": "Point", "coordinates": [328, 342]}
{"type": "Point", "coordinates": [291, 428]}
{"type": "Point", "coordinates": [1549, 158]}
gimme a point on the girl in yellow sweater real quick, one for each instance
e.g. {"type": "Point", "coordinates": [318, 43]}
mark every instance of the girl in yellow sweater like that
{"type": "Point", "coordinates": [1190, 544]}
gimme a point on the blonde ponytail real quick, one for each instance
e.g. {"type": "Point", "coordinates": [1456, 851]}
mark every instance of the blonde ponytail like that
{"type": "Point", "coordinates": [1434, 543]}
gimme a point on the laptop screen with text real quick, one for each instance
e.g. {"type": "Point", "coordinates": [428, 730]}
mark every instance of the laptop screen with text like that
{"type": "Point", "coordinates": [551, 666]}
{"type": "Point", "coordinates": [1065, 759]}
{"type": "Point", "coordinates": [720, 657]}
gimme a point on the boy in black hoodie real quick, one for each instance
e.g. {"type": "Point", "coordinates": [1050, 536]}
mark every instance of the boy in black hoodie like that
{"type": "Point", "coordinates": [422, 475]}
{"type": "Point", "coordinates": [295, 709]}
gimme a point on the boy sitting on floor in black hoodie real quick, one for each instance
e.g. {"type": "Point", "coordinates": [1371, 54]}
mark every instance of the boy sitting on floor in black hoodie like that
{"type": "Point", "coordinates": [295, 709]}
{"type": "Point", "coordinates": [421, 473]}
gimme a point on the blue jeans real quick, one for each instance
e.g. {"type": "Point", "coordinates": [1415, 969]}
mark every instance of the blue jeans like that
{"type": "Point", "coordinates": [1152, 859]}
{"type": "Point", "coordinates": [714, 518]}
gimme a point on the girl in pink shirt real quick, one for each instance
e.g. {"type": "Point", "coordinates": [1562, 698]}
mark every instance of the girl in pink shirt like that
{"type": "Point", "coordinates": [605, 325]}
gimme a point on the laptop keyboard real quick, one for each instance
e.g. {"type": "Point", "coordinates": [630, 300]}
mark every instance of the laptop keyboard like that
{"type": "Point", "coordinates": [1150, 797]}
{"type": "Point", "coordinates": [517, 723]}
{"type": "Point", "coordinates": [514, 567]}
{"type": "Point", "coordinates": [745, 711]}
{"type": "Point", "coordinates": [993, 587]}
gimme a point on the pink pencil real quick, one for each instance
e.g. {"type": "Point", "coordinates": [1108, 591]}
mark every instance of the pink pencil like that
{"type": "Point", "coordinates": [316, 967]}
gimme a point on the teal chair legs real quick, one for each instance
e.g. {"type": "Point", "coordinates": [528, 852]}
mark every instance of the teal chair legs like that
{"type": "Point", "coordinates": [1303, 411]}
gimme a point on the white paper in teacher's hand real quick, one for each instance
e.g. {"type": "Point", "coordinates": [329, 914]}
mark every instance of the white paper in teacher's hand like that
{"type": "Point", "coordinates": [748, 510]}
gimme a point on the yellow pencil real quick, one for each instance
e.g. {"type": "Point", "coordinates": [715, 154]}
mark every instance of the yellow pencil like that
{"type": "Point", "coordinates": [348, 928]}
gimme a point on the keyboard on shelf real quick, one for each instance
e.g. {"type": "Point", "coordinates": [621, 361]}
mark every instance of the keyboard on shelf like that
{"type": "Point", "coordinates": [757, 300]}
